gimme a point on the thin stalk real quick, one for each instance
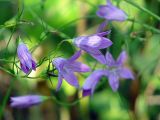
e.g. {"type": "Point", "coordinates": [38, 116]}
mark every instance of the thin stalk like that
{"type": "Point", "coordinates": [6, 98]}
{"type": "Point", "coordinates": [65, 103]}
{"type": "Point", "coordinates": [143, 9]}
{"type": "Point", "coordinates": [145, 25]}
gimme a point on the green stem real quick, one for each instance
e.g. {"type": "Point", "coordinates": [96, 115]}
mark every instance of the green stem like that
{"type": "Point", "coordinates": [8, 61]}
{"type": "Point", "coordinates": [10, 38]}
{"type": "Point", "coordinates": [125, 106]}
{"type": "Point", "coordinates": [47, 25]}
{"type": "Point", "coordinates": [52, 52]}
{"type": "Point", "coordinates": [145, 25]}
{"type": "Point", "coordinates": [65, 103]}
{"type": "Point", "coordinates": [7, 71]}
{"type": "Point", "coordinates": [143, 9]}
{"type": "Point", "coordinates": [6, 98]}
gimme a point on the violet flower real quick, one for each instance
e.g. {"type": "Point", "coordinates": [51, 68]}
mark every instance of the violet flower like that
{"type": "Point", "coordinates": [27, 101]}
{"type": "Point", "coordinates": [93, 43]}
{"type": "Point", "coordinates": [111, 12]}
{"type": "Point", "coordinates": [116, 70]}
{"type": "Point", "coordinates": [26, 61]}
{"type": "Point", "coordinates": [67, 67]}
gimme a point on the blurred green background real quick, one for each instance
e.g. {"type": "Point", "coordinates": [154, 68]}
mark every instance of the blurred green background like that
{"type": "Point", "coordinates": [43, 24]}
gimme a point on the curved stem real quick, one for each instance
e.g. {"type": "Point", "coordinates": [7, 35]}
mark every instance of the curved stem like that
{"type": "Point", "coordinates": [145, 25]}
{"type": "Point", "coordinates": [65, 103]}
{"type": "Point", "coordinates": [143, 9]}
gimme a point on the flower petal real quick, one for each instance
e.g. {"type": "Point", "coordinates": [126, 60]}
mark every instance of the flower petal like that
{"type": "Point", "coordinates": [111, 12]}
{"type": "Point", "coordinates": [33, 65]}
{"type": "Point", "coordinates": [26, 101]}
{"type": "Point", "coordinates": [105, 43]}
{"type": "Point", "coordinates": [86, 92]}
{"type": "Point", "coordinates": [60, 78]}
{"type": "Point", "coordinates": [125, 73]}
{"type": "Point", "coordinates": [70, 78]}
{"type": "Point", "coordinates": [98, 56]}
{"type": "Point", "coordinates": [75, 56]}
{"type": "Point", "coordinates": [113, 81]}
{"type": "Point", "coordinates": [109, 59]}
{"type": "Point", "coordinates": [94, 41]}
{"type": "Point", "coordinates": [101, 34]}
{"type": "Point", "coordinates": [102, 11]}
{"type": "Point", "coordinates": [91, 82]}
{"type": "Point", "coordinates": [102, 26]}
{"type": "Point", "coordinates": [98, 42]}
{"type": "Point", "coordinates": [122, 58]}
{"type": "Point", "coordinates": [26, 61]}
{"type": "Point", "coordinates": [78, 67]}
{"type": "Point", "coordinates": [24, 68]}
{"type": "Point", "coordinates": [81, 41]}
{"type": "Point", "coordinates": [59, 63]}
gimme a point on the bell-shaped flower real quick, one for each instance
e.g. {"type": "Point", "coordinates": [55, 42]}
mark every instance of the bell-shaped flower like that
{"type": "Point", "coordinates": [27, 101]}
{"type": "Point", "coordinates": [116, 70]}
{"type": "Point", "coordinates": [67, 67]}
{"type": "Point", "coordinates": [26, 61]}
{"type": "Point", "coordinates": [93, 43]}
{"type": "Point", "coordinates": [111, 12]}
{"type": "Point", "coordinates": [91, 82]}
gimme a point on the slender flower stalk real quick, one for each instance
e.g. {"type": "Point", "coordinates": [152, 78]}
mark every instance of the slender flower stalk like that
{"type": "Point", "coordinates": [27, 101]}
{"type": "Point", "coordinates": [26, 61]}
{"type": "Point", "coordinates": [92, 45]}
{"type": "Point", "coordinates": [67, 67]}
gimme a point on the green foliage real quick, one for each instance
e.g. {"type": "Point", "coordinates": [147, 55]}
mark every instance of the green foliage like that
{"type": "Point", "coordinates": [47, 26]}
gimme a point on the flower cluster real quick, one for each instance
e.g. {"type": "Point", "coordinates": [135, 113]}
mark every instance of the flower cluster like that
{"type": "Point", "coordinates": [91, 44]}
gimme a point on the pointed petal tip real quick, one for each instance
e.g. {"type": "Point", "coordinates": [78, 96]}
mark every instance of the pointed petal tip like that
{"type": "Point", "coordinates": [114, 81]}
{"type": "Point", "coordinates": [86, 93]}
{"type": "Point", "coordinates": [126, 73]}
{"type": "Point", "coordinates": [33, 65]}
{"type": "Point", "coordinates": [75, 56]}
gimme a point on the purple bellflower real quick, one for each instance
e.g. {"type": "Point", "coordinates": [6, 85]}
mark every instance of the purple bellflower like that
{"type": "Point", "coordinates": [111, 12]}
{"type": "Point", "coordinates": [26, 61]}
{"type": "Point", "coordinates": [67, 67]}
{"type": "Point", "coordinates": [92, 45]}
{"type": "Point", "coordinates": [115, 70]}
{"type": "Point", "coordinates": [27, 101]}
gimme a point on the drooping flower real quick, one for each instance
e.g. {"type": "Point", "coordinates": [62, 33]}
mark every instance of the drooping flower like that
{"type": "Point", "coordinates": [27, 101]}
{"type": "Point", "coordinates": [111, 12]}
{"type": "Point", "coordinates": [67, 67]}
{"type": "Point", "coordinates": [91, 82]}
{"type": "Point", "coordinates": [116, 70]}
{"type": "Point", "coordinates": [93, 43]}
{"type": "Point", "coordinates": [26, 61]}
